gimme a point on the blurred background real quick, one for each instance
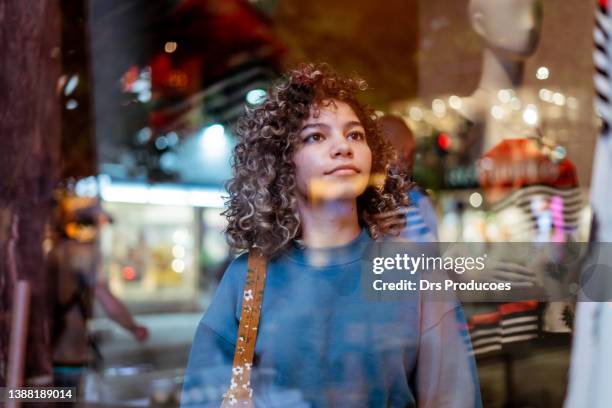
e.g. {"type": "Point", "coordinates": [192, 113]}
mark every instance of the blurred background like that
{"type": "Point", "coordinates": [127, 108]}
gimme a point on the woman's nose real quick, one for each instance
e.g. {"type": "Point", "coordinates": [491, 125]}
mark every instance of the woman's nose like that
{"type": "Point", "coordinates": [342, 147]}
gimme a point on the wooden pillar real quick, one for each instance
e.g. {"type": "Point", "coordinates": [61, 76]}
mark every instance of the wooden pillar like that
{"type": "Point", "coordinates": [30, 65]}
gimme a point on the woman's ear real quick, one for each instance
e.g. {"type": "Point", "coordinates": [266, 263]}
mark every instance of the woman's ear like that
{"type": "Point", "coordinates": [478, 23]}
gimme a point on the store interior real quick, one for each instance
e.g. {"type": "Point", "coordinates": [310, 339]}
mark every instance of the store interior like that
{"type": "Point", "coordinates": [151, 94]}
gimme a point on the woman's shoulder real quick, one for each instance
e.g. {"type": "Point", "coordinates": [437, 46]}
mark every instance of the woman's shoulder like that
{"type": "Point", "coordinates": [240, 260]}
{"type": "Point", "coordinates": [226, 300]}
{"type": "Point", "coordinates": [237, 268]}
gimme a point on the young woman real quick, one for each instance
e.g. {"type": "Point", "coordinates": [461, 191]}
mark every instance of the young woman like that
{"type": "Point", "coordinates": [310, 178]}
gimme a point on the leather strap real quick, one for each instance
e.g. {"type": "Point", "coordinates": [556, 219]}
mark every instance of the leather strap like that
{"type": "Point", "coordinates": [240, 392]}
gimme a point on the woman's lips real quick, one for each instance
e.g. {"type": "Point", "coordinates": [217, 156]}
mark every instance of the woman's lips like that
{"type": "Point", "coordinates": [347, 170]}
{"type": "Point", "coordinates": [343, 172]}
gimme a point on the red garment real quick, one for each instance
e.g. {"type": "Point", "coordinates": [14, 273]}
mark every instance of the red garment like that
{"type": "Point", "coordinates": [516, 163]}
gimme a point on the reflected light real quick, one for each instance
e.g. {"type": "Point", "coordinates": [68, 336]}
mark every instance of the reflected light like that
{"type": "Point", "coordinates": [71, 84]}
{"type": "Point", "coordinates": [444, 141]}
{"type": "Point", "coordinates": [214, 142]}
{"type": "Point", "coordinates": [455, 102]}
{"type": "Point", "coordinates": [415, 114]}
{"type": "Point", "coordinates": [475, 200]}
{"type": "Point", "coordinates": [172, 138]}
{"type": "Point", "coordinates": [542, 73]}
{"type": "Point", "coordinates": [530, 115]}
{"type": "Point", "coordinates": [178, 265]}
{"type": "Point", "coordinates": [128, 273]}
{"type": "Point", "coordinates": [161, 143]}
{"type": "Point", "coordinates": [497, 112]}
{"type": "Point", "coordinates": [144, 96]}
{"type": "Point", "coordinates": [545, 95]}
{"type": "Point", "coordinates": [143, 135]}
{"type": "Point", "coordinates": [504, 95]}
{"type": "Point", "coordinates": [438, 107]}
{"type": "Point", "coordinates": [72, 104]}
{"type": "Point", "coordinates": [86, 187]}
{"type": "Point", "coordinates": [256, 96]}
{"type": "Point", "coordinates": [170, 47]}
{"type": "Point", "coordinates": [558, 99]}
{"type": "Point", "coordinates": [560, 152]}
{"type": "Point", "coordinates": [168, 161]}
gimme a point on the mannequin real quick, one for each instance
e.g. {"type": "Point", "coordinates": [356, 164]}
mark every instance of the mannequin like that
{"type": "Point", "coordinates": [530, 194]}
{"type": "Point", "coordinates": [510, 30]}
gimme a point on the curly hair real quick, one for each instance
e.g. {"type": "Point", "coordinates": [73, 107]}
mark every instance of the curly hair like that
{"type": "Point", "coordinates": [262, 209]}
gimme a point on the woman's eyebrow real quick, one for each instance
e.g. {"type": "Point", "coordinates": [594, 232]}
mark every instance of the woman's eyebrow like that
{"type": "Point", "coordinates": [352, 123]}
{"type": "Point", "coordinates": [315, 125]}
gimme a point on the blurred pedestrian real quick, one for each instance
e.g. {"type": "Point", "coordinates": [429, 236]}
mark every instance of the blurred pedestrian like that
{"type": "Point", "coordinates": [421, 224]}
{"type": "Point", "coordinates": [75, 280]}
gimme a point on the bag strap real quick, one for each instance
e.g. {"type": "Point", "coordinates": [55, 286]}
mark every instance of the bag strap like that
{"type": "Point", "coordinates": [240, 392]}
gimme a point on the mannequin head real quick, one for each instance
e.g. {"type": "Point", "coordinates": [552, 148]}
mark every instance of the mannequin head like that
{"type": "Point", "coordinates": [511, 27]}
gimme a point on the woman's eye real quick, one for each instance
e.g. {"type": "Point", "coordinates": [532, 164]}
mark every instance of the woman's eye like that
{"type": "Point", "coordinates": [356, 135]}
{"type": "Point", "coordinates": [314, 137]}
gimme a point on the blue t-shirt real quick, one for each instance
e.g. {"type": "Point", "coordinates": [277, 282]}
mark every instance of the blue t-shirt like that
{"type": "Point", "coordinates": [321, 344]}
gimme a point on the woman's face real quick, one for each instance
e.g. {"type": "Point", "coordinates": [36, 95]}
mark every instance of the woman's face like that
{"type": "Point", "coordinates": [333, 160]}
